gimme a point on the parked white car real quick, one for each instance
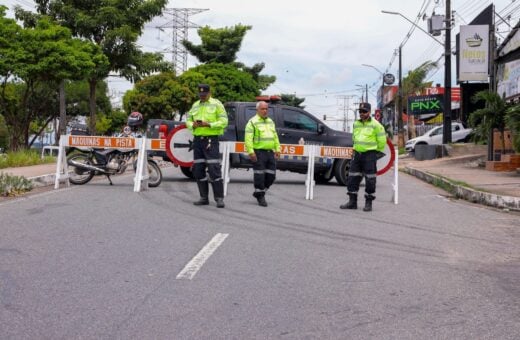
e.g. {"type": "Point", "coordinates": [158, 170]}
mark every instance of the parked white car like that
{"type": "Point", "coordinates": [459, 133]}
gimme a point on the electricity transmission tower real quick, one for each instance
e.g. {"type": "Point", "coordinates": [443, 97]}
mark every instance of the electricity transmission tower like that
{"type": "Point", "coordinates": [180, 25]}
{"type": "Point", "coordinates": [346, 107]}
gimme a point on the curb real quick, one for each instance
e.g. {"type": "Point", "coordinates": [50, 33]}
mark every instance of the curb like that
{"type": "Point", "coordinates": [43, 181]}
{"type": "Point", "coordinates": [468, 194]}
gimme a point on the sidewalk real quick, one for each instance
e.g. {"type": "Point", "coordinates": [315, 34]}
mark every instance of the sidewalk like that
{"type": "Point", "coordinates": [462, 174]}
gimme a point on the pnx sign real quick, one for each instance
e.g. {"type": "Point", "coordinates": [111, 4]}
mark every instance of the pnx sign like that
{"type": "Point", "coordinates": [419, 105]}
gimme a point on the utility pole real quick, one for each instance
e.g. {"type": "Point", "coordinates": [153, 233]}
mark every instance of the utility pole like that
{"type": "Point", "coordinates": [492, 81]}
{"type": "Point", "coordinates": [447, 79]}
{"type": "Point", "coordinates": [364, 90]}
{"type": "Point", "coordinates": [399, 113]}
{"type": "Point", "coordinates": [446, 131]}
{"type": "Point", "coordinates": [180, 25]}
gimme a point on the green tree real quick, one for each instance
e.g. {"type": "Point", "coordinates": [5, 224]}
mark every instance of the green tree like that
{"type": "Point", "coordinates": [414, 84]}
{"type": "Point", "coordinates": [4, 136]}
{"type": "Point", "coordinates": [492, 116]}
{"type": "Point", "coordinates": [156, 96]}
{"type": "Point", "coordinates": [118, 119]}
{"type": "Point", "coordinates": [162, 95]}
{"type": "Point", "coordinates": [77, 98]}
{"type": "Point", "coordinates": [263, 80]}
{"type": "Point", "coordinates": [513, 123]}
{"type": "Point", "coordinates": [292, 100]}
{"type": "Point", "coordinates": [115, 27]}
{"type": "Point", "coordinates": [219, 45]}
{"type": "Point", "coordinates": [34, 61]}
{"type": "Point", "coordinates": [227, 82]}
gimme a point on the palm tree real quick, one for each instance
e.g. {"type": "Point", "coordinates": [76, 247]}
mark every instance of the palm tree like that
{"type": "Point", "coordinates": [492, 116]}
{"type": "Point", "coordinates": [413, 84]}
{"type": "Point", "coordinates": [513, 123]}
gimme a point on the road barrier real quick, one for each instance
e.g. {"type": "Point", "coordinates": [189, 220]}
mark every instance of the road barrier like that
{"type": "Point", "coordinates": [103, 142]}
{"type": "Point", "coordinates": [310, 151]}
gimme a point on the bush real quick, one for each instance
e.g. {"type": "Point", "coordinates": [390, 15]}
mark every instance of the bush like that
{"type": "Point", "coordinates": [13, 185]}
{"type": "Point", "coordinates": [513, 123]}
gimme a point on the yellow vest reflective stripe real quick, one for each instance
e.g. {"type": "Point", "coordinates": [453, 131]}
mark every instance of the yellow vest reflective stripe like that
{"type": "Point", "coordinates": [369, 135]}
{"type": "Point", "coordinates": [261, 134]}
{"type": "Point", "coordinates": [211, 111]}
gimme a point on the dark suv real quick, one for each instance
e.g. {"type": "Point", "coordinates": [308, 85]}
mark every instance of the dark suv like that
{"type": "Point", "coordinates": [294, 126]}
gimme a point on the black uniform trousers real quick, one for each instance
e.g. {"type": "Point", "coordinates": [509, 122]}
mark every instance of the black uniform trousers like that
{"type": "Point", "coordinates": [206, 155]}
{"type": "Point", "coordinates": [363, 163]}
{"type": "Point", "coordinates": [264, 171]}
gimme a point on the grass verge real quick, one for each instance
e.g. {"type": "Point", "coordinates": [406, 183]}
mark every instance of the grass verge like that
{"type": "Point", "coordinates": [14, 185]}
{"type": "Point", "coordinates": [23, 158]}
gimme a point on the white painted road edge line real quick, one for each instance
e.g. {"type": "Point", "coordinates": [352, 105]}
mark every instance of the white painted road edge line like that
{"type": "Point", "coordinates": [189, 271]}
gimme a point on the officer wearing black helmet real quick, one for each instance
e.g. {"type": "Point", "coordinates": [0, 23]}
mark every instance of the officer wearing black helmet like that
{"type": "Point", "coordinates": [207, 119]}
{"type": "Point", "coordinates": [369, 139]}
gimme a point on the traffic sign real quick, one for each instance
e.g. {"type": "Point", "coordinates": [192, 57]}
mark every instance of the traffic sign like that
{"type": "Point", "coordinates": [336, 152]}
{"type": "Point", "coordinates": [285, 149]}
{"type": "Point", "coordinates": [389, 79]}
{"type": "Point", "coordinates": [157, 144]}
{"type": "Point", "coordinates": [101, 142]}
{"type": "Point", "coordinates": [385, 163]}
{"type": "Point", "coordinates": [179, 146]}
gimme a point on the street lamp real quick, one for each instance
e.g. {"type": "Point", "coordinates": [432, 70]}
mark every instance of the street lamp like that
{"type": "Point", "coordinates": [382, 84]}
{"type": "Point", "coordinates": [446, 129]}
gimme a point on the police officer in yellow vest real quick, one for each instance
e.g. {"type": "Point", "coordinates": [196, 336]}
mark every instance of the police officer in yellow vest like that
{"type": "Point", "coordinates": [369, 139]}
{"type": "Point", "coordinates": [207, 119]}
{"type": "Point", "coordinates": [263, 147]}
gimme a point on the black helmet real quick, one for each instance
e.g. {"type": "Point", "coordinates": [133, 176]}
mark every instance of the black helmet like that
{"type": "Point", "coordinates": [135, 119]}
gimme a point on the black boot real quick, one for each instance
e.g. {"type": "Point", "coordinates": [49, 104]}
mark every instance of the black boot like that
{"type": "Point", "coordinates": [218, 193]}
{"type": "Point", "coordinates": [260, 197]}
{"type": "Point", "coordinates": [220, 202]}
{"type": "Point", "coordinates": [261, 201]}
{"type": "Point", "coordinates": [368, 202]}
{"type": "Point", "coordinates": [352, 202]}
{"type": "Point", "coordinates": [203, 191]}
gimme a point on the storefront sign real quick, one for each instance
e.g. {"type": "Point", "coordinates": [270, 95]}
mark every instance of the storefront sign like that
{"type": "Point", "coordinates": [419, 105]}
{"type": "Point", "coordinates": [474, 53]}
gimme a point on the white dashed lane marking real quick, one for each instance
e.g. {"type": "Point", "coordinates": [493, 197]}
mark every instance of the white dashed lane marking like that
{"type": "Point", "coordinates": [189, 271]}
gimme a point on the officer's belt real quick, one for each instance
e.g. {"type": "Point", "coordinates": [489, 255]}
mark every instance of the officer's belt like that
{"type": "Point", "coordinates": [206, 137]}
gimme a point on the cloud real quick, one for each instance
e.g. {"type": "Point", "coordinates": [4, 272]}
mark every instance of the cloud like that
{"type": "Point", "coordinates": [317, 47]}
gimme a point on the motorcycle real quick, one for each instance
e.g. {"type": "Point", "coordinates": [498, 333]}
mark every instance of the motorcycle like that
{"type": "Point", "coordinates": [83, 166]}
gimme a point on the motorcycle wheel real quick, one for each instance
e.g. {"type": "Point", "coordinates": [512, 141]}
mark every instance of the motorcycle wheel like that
{"type": "Point", "coordinates": [77, 175]}
{"type": "Point", "coordinates": [154, 174]}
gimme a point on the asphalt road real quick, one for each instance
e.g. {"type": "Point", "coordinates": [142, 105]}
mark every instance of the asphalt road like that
{"type": "Point", "coordinates": [102, 262]}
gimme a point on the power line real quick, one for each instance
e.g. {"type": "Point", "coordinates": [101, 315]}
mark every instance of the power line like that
{"type": "Point", "coordinates": [180, 25]}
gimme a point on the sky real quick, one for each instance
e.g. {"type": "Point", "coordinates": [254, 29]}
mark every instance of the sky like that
{"type": "Point", "coordinates": [317, 50]}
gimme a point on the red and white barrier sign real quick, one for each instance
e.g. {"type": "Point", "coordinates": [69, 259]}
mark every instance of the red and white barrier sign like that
{"type": "Point", "coordinates": [179, 146]}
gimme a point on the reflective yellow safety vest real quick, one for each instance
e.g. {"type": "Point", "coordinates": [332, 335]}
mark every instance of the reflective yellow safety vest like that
{"type": "Point", "coordinates": [369, 135]}
{"type": "Point", "coordinates": [261, 134]}
{"type": "Point", "coordinates": [211, 111]}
